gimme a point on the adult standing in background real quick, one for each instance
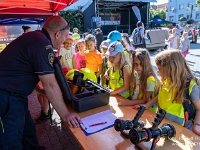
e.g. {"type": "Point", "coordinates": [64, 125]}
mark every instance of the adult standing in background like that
{"type": "Point", "coordinates": [75, 30]}
{"type": "Point", "coordinates": [99, 38]}
{"type": "Point", "coordinates": [26, 29]}
{"type": "Point", "coordinates": [190, 33]}
{"type": "Point", "coordinates": [178, 30]}
{"type": "Point", "coordinates": [144, 42]}
{"type": "Point", "coordinates": [138, 35]}
{"type": "Point", "coordinates": [31, 60]}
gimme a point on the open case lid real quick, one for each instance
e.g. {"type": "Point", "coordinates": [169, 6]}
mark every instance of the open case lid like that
{"type": "Point", "coordinates": [62, 81]}
{"type": "Point", "coordinates": [64, 85]}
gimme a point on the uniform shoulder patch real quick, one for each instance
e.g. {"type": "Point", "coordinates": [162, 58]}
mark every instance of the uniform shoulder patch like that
{"type": "Point", "coordinates": [51, 58]}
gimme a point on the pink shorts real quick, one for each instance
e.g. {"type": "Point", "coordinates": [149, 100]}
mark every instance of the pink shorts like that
{"type": "Point", "coordinates": [185, 53]}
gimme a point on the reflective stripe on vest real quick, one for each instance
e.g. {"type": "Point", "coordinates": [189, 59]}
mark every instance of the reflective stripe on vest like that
{"type": "Point", "coordinates": [175, 111]}
{"type": "Point", "coordinates": [116, 81]}
{"type": "Point", "coordinates": [172, 117]}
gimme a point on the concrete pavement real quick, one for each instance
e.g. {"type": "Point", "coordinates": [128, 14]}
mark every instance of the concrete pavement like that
{"type": "Point", "coordinates": [193, 58]}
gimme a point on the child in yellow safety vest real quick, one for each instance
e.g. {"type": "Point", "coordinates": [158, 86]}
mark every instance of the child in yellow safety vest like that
{"type": "Point", "coordinates": [144, 83]}
{"type": "Point", "coordinates": [119, 70]}
{"type": "Point", "coordinates": [175, 74]}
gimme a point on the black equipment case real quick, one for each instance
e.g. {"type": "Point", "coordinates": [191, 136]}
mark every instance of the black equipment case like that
{"type": "Point", "coordinates": [93, 95]}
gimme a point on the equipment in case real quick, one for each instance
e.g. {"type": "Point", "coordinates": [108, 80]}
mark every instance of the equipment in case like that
{"type": "Point", "coordinates": [83, 95]}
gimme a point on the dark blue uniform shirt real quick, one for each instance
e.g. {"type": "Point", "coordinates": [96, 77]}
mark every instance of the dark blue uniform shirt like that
{"type": "Point", "coordinates": [23, 60]}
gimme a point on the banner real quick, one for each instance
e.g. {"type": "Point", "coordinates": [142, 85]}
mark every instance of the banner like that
{"type": "Point", "coordinates": [137, 12]}
{"type": "Point", "coordinates": [111, 18]}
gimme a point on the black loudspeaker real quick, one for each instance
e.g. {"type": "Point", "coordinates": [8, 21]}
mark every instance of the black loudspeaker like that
{"type": "Point", "coordinates": [152, 24]}
{"type": "Point", "coordinates": [94, 25]}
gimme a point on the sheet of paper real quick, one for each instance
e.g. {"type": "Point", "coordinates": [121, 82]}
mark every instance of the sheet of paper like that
{"type": "Point", "coordinates": [105, 116]}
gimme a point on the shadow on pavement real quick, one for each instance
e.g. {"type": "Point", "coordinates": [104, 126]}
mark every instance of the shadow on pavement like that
{"type": "Point", "coordinates": [195, 55]}
{"type": "Point", "coordinates": [190, 62]}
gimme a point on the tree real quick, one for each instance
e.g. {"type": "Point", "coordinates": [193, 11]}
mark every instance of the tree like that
{"type": "Point", "coordinates": [152, 13]}
{"type": "Point", "coordinates": [161, 13]}
{"type": "Point", "coordinates": [198, 2]}
{"type": "Point", "coordinates": [74, 17]}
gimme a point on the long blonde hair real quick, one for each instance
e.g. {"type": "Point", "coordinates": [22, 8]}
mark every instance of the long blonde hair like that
{"type": "Point", "coordinates": [143, 56]}
{"type": "Point", "coordinates": [121, 63]}
{"type": "Point", "coordinates": [177, 72]}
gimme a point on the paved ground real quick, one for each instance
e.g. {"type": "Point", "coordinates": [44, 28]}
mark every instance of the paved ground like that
{"type": "Point", "coordinates": [193, 58]}
{"type": "Point", "coordinates": [58, 137]}
{"type": "Point", "coordinates": [55, 137]}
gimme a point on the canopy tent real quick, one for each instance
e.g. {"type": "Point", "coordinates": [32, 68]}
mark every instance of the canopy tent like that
{"type": "Point", "coordinates": [20, 12]}
{"type": "Point", "coordinates": [20, 21]}
{"type": "Point", "coordinates": [32, 8]}
{"type": "Point", "coordinates": [159, 22]}
{"type": "Point", "coordinates": [32, 12]}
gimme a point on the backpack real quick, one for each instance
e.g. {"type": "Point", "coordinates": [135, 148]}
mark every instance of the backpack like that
{"type": "Point", "coordinates": [189, 110]}
{"type": "Point", "coordinates": [137, 38]}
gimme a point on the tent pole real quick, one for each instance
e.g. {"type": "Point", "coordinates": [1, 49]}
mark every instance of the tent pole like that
{"type": "Point", "coordinates": [129, 22]}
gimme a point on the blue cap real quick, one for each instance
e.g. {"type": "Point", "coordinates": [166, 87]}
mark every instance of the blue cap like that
{"type": "Point", "coordinates": [114, 48]}
{"type": "Point", "coordinates": [114, 36]}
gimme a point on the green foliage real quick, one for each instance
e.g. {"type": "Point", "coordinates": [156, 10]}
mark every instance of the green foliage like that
{"type": "Point", "coordinates": [198, 2]}
{"type": "Point", "coordinates": [152, 13]}
{"type": "Point", "coordinates": [161, 13]}
{"type": "Point", "coordinates": [74, 17]}
{"type": "Point", "coordinates": [190, 21]}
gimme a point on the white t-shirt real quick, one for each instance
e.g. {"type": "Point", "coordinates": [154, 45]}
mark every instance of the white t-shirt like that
{"type": "Point", "coordinates": [184, 44]}
{"type": "Point", "coordinates": [67, 55]}
{"type": "Point", "coordinates": [150, 88]}
{"type": "Point", "coordinates": [174, 42]}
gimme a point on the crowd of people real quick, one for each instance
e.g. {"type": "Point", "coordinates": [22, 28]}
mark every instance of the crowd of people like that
{"type": "Point", "coordinates": [120, 66]}
{"type": "Point", "coordinates": [178, 41]}
{"type": "Point", "coordinates": [126, 70]}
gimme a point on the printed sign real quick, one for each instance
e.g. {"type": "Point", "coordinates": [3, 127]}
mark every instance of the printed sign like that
{"type": "Point", "coordinates": [110, 18]}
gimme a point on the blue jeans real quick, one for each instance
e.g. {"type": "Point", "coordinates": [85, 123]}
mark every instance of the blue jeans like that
{"type": "Point", "coordinates": [17, 129]}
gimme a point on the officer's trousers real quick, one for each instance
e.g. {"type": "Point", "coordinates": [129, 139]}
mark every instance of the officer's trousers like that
{"type": "Point", "coordinates": [17, 129]}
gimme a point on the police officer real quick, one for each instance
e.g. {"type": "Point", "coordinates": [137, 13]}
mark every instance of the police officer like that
{"type": "Point", "coordinates": [24, 62]}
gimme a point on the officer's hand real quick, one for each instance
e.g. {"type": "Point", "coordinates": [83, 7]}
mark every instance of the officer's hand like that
{"type": "Point", "coordinates": [73, 120]}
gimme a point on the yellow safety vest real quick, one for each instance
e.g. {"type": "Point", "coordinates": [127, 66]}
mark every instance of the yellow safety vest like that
{"type": "Point", "coordinates": [174, 111]}
{"type": "Point", "coordinates": [116, 81]}
{"type": "Point", "coordinates": [140, 96]}
{"type": "Point", "coordinates": [127, 54]}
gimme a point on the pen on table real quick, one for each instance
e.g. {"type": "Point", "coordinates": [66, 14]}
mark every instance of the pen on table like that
{"type": "Point", "coordinates": [96, 124]}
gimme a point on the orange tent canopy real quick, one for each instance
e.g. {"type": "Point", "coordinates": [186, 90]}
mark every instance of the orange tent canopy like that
{"type": "Point", "coordinates": [32, 8]}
